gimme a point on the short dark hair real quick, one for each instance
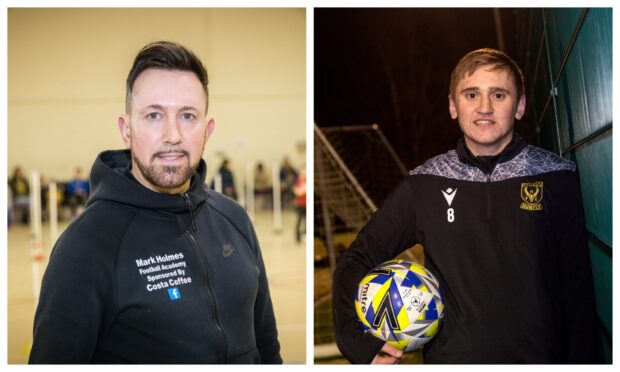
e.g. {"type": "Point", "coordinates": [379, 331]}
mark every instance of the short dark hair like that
{"type": "Point", "coordinates": [487, 57]}
{"type": "Point", "coordinates": [168, 56]}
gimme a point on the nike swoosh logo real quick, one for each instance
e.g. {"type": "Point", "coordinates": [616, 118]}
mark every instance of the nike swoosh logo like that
{"type": "Point", "coordinates": [449, 194]}
{"type": "Point", "coordinates": [227, 250]}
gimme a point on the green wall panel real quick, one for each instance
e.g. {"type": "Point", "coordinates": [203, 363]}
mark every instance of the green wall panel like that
{"type": "Point", "coordinates": [601, 269]}
{"type": "Point", "coordinates": [541, 87]}
{"type": "Point", "coordinates": [583, 104]}
{"type": "Point", "coordinates": [595, 40]}
{"type": "Point", "coordinates": [584, 101]}
{"type": "Point", "coordinates": [560, 26]}
{"type": "Point", "coordinates": [548, 134]}
{"type": "Point", "coordinates": [594, 162]}
{"type": "Point", "coordinates": [534, 21]}
{"type": "Point", "coordinates": [571, 102]}
{"type": "Point", "coordinates": [607, 352]}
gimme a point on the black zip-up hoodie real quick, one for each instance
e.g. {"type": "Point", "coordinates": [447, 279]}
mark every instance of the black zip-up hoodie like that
{"type": "Point", "coordinates": [145, 277]}
{"type": "Point", "coordinates": [505, 236]}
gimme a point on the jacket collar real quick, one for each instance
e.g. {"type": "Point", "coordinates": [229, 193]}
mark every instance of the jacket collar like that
{"type": "Point", "coordinates": [109, 180]}
{"type": "Point", "coordinates": [487, 163]}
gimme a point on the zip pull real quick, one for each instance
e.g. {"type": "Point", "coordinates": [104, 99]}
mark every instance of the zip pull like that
{"type": "Point", "coordinates": [191, 210]}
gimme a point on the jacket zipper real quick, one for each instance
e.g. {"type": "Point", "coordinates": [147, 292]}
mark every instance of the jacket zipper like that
{"type": "Point", "coordinates": [202, 260]}
{"type": "Point", "coordinates": [188, 202]}
{"type": "Point", "coordinates": [488, 196]}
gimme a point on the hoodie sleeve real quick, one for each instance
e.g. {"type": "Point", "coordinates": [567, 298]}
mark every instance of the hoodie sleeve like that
{"type": "Point", "coordinates": [390, 231]}
{"type": "Point", "coordinates": [76, 293]}
{"type": "Point", "coordinates": [264, 318]}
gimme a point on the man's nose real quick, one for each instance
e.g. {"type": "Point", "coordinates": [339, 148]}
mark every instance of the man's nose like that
{"type": "Point", "coordinates": [172, 131]}
{"type": "Point", "coordinates": [485, 106]}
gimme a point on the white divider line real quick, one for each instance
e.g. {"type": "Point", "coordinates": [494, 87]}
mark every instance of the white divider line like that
{"type": "Point", "coordinates": [53, 208]}
{"type": "Point", "coordinates": [249, 189]}
{"type": "Point", "coordinates": [37, 253]}
{"type": "Point", "coordinates": [218, 182]}
{"type": "Point", "coordinates": [277, 200]}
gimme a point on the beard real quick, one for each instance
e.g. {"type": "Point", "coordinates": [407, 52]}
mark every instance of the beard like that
{"type": "Point", "coordinates": [165, 177]}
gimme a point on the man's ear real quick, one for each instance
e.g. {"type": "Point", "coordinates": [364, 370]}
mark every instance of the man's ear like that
{"type": "Point", "coordinates": [520, 108]}
{"type": "Point", "coordinates": [453, 112]}
{"type": "Point", "coordinates": [210, 128]}
{"type": "Point", "coordinates": [123, 127]}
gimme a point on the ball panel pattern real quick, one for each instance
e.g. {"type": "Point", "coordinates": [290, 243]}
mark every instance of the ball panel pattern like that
{"type": "Point", "coordinates": [400, 302]}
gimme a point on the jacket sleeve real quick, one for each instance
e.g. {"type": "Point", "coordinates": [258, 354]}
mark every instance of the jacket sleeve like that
{"type": "Point", "coordinates": [264, 319]}
{"type": "Point", "coordinates": [577, 288]}
{"type": "Point", "coordinates": [76, 289]}
{"type": "Point", "coordinates": [390, 231]}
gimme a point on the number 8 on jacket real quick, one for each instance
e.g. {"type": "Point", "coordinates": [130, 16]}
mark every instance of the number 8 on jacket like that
{"type": "Point", "coordinates": [400, 302]}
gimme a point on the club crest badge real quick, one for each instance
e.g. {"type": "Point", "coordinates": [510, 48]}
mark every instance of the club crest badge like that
{"type": "Point", "coordinates": [532, 194]}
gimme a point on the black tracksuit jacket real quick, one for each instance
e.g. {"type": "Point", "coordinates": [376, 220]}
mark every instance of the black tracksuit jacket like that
{"type": "Point", "coordinates": [505, 237]}
{"type": "Point", "coordinates": [144, 277]}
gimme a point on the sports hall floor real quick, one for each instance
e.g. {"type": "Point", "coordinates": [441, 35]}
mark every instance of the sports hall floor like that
{"type": "Point", "coordinates": [284, 259]}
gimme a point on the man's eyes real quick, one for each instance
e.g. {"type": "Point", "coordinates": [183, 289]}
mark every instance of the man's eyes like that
{"type": "Point", "coordinates": [153, 116]}
{"type": "Point", "coordinates": [159, 116]}
{"type": "Point", "coordinates": [188, 116]}
{"type": "Point", "coordinates": [498, 96]}
{"type": "Point", "coordinates": [471, 95]}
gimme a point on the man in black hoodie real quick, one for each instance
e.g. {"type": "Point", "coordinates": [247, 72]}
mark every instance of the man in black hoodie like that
{"type": "Point", "coordinates": [158, 269]}
{"type": "Point", "coordinates": [503, 230]}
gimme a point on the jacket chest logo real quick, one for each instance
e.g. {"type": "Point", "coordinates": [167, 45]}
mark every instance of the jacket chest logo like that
{"type": "Point", "coordinates": [164, 271]}
{"type": "Point", "coordinates": [532, 194]}
{"type": "Point", "coordinates": [449, 195]}
{"type": "Point", "coordinates": [227, 250]}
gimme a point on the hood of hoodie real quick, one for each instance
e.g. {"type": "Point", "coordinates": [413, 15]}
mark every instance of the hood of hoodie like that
{"type": "Point", "coordinates": [110, 181]}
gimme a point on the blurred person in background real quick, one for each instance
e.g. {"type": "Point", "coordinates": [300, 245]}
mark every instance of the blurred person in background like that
{"type": "Point", "coordinates": [227, 179]}
{"type": "Point", "coordinates": [77, 191]}
{"type": "Point", "coordinates": [44, 194]}
{"type": "Point", "coordinates": [20, 190]}
{"type": "Point", "coordinates": [262, 187]}
{"type": "Point", "coordinates": [9, 206]}
{"type": "Point", "coordinates": [288, 175]}
{"type": "Point", "coordinates": [299, 189]}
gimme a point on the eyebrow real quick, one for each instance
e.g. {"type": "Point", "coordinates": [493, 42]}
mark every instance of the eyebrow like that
{"type": "Point", "coordinates": [163, 108]}
{"type": "Point", "coordinates": [492, 89]}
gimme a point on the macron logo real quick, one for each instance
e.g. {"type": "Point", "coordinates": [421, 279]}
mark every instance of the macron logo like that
{"type": "Point", "coordinates": [449, 195]}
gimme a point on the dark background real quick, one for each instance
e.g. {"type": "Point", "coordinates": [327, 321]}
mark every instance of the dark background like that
{"type": "Point", "coordinates": [392, 67]}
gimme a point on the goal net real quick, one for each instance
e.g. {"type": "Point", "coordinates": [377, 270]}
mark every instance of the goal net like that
{"type": "Point", "coordinates": [355, 169]}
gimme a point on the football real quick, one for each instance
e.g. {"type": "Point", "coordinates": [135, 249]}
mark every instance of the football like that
{"type": "Point", "coordinates": [401, 303]}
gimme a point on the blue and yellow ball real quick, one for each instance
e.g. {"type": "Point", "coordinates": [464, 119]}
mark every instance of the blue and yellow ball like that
{"type": "Point", "coordinates": [401, 303]}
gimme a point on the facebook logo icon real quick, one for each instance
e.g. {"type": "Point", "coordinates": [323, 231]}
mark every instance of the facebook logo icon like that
{"type": "Point", "coordinates": [174, 293]}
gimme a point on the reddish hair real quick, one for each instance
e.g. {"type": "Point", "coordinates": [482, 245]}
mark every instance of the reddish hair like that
{"type": "Point", "coordinates": [487, 57]}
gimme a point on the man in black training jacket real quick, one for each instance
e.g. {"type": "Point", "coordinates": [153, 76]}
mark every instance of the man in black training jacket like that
{"type": "Point", "coordinates": [158, 268]}
{"type": "Point", "coordinates": [503, 230]}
